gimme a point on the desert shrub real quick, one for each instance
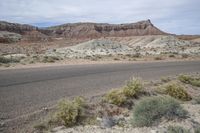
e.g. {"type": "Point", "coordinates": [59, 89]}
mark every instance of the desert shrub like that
{"type": "Point", "coordinates": [79, 101]}
{"type": "Point", "coordinates": [189, 80]}
{"type": "Point", "coordinates": [197, 100]}
{"type": "Point", "coordinates": [177, 129]}
{"type": "Point", "coordinates": [40, 126]}
{"type": "Point", "coordinates": [185, 78]}
{"type": "Point", "coordinates": [115, 97]}
{"type": "Point", "coordinates": [116, 58]}
{"type": "Point", "coordinates": [151, 110]}
{"type": "Point", "coordinates": [172, 55]}
{"type": "Point", "coordinates": [184, 55]}
{"type": "Point", "coordinates": [8, 60]}
{"type": "Point", "coordinates": [70, 111]}
{"type": "Point", "coordinates": [136, 55]}
{"type": "Point", "coordinates": [177, 91]}
{"type": "Point", "coordinates": [49, 59]}
{"type": "Point", "coordinates": [195, 82]}
{"type": "Point", "coordinates": [197, 130]}
{"type": "Point", "coordinates": [158, 58]}
{"type": "Point", "coordinates": [133, 87]}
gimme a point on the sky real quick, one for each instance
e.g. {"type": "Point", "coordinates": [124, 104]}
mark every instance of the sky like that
{"type": "Point", "coordinates": [172, 16]}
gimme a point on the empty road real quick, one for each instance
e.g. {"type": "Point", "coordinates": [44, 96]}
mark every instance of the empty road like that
{"type": "Point", "coordinates": [25, 90]}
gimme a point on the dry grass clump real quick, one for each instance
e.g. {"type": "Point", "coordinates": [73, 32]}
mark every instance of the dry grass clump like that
{"type": "Point", "coordinates": [116, 97]}
{"type": "Point", "coordinates": [120, 96]}
{"type": "Point", "coordinates": [70, 111]}
{"type": "Point", "coordinates": [177, 129]}
{"type": "Point", "coordinates": [151, 110]}
{"type": "Point", "coordinates": [189, 80]}
{"type": "Point", "coordinates": [177, 91]}
{"type": "Point", "coordinates": [133, 88]}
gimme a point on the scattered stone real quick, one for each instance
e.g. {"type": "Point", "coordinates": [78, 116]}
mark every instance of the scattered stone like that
{"type": "Point", "coordinates": [107, 122]}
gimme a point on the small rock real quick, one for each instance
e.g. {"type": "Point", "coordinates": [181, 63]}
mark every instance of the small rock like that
{"type": "Point", "coordinates": [58, 129]}
{"type": "Point", "coordinates": [107, 122]}
{"type": "Point", "coordinates": [45, 109]}
{"type": "Point", "coordinates": [2, 124]}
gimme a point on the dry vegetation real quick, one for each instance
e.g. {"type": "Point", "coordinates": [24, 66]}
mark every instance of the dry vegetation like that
{"type": "Point", "coordinates": [136, 105]}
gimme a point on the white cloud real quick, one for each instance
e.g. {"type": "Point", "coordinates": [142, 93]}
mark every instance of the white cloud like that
{"type": "Point", "coordinates": [167, 14]}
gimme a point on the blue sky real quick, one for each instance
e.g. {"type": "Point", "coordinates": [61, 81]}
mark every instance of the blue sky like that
{"type": "Point", "coordinates": [174, 16]}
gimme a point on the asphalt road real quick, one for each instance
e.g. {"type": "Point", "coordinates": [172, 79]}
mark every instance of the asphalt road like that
{"type": "Point", "coordinates": [26, 90]}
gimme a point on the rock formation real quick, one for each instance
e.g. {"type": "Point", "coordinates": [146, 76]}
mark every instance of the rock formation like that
{"type": "Point", "coordinates": [81, 30]}
{"type": "Point", "coordinates": [97, 30]}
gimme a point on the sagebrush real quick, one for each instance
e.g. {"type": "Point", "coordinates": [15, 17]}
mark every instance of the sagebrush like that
{"type": "Point", "coordinates": [189, 80]}
{"type": "Point", "coordinates": [151, 110]}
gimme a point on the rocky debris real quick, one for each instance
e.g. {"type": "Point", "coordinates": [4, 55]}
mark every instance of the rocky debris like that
{"type": "Point", "coordinates": [144, 45]}
{"type": "Point", "coordinates": [92, 48]}
{"type": "Point", "coordinates": [107, 122]}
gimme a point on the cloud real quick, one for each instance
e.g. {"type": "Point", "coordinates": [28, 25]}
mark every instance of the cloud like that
{"type": "Point", "coordinates": [175, 16]}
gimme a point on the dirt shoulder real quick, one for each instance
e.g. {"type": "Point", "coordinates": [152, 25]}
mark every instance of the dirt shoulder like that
{"type": "Point", "coordinates": [84, 61]}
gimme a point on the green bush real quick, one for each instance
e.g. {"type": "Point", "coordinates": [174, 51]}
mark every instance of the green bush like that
{"type": "Point", "coordinates": [197, 130]}
{"type": "Point", "coordinates": [195, 82]}
{"type": "Point", "coordinates": [70, 111]}
{"type": "Point", "coordinates": [189, 80]}
{"type": "Point", "coordinates": [151, 110]}
{"type": "Point", "coordinates": [116, 97]}
{"type": "Point", "coordinates": [177, 91]}
{"type": "Point", "coordinates": [185, 79]}
{"type": "Point", "coordinates": [132, 88]}
{"type": "Point", "coordinates": [177, 129]}
{"type": "Point", "coordinates": [8, 60]}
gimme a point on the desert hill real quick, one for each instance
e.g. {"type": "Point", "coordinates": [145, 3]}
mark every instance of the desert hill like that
{"type": "Point", "coordinates": [79, 30]}
{"type": "Point", "coordinates": [96, 30]}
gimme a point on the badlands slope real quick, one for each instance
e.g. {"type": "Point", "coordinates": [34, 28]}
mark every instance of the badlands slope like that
{"type": "Point", "coordinates": [144, 45]}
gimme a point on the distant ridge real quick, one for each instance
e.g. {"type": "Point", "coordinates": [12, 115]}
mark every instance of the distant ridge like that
{"type": "Point", "coordinates": [84, 30]}
{"type": "Point", "coordinates": [96, 30]}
